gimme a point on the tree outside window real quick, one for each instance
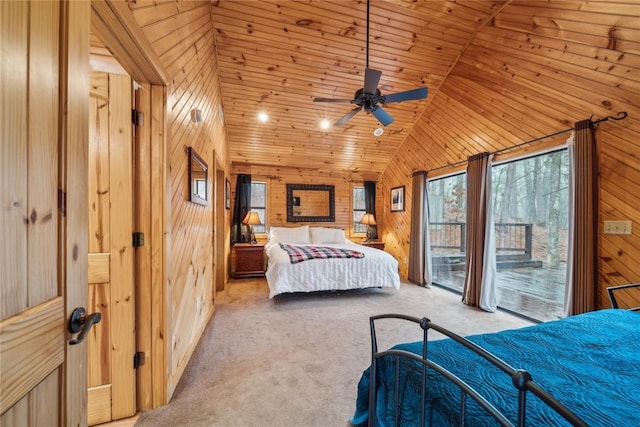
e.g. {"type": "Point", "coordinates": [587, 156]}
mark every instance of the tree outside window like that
{"type": "Point", "coordinates": [359, 209]}
{"type": "Point", "coordinates": [530, 210]}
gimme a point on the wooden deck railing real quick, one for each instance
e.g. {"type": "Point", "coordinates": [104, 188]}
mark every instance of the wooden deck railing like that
{"type": "Point", "coordinates": [514, 241]}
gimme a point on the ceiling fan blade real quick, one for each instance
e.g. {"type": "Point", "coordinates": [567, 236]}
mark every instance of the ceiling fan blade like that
{"type": "Point", "coordinates": [408, 95]}
{"type": "Point", "coordinates": [347, 101]}
{"type": "Point", "coordinates": [371, 79]}
{"type": "Point", "coordinates": [382, 116]}
{"type": "Point", "coordinates": [347, 116]}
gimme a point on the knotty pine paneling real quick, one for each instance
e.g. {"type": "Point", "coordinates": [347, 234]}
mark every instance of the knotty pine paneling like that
{"type": "Point", "coordinates": [277, 179]}
{"type": "Point", "coordinates": [277, 56]}
{"type": "Point", "coordinates": [523, 77]}
{"type": "Point", "coordinates": [499, 73]}
{"type": "Point", "coordinates": [182, 36]}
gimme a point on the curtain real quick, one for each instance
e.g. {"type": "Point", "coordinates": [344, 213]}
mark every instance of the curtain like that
{"type": "Point", "coordinates": [370, 206]}
{"type": "Point", "coordinates": [479, 282]}
{"type": "Point", "coordinates": [582, 256]}
{"type": "Point", "coordinates": [420, 271]}
{"type": "Point", "coordinates": [241, 233]}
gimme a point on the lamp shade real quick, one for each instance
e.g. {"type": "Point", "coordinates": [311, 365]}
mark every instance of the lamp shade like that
{"type": "Point", "coordinates": [251, 218]}
{"type": "Point", "coordinates": [368, 219]}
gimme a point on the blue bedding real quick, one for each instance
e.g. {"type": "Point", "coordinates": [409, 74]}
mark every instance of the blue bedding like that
{"type": "Point", "coordinates": [589, 362]}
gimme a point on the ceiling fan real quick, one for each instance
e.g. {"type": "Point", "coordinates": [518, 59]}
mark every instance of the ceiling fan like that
{"type": "Point", "coordinates": [369, 97]}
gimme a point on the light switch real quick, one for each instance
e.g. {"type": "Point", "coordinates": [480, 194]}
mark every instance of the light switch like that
{"type": "Point", "coordinates": [617, 227]}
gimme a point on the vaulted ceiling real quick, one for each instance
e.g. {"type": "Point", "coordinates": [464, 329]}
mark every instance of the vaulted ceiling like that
{"type": "Point", "coordinates": [276, 56]}
{"type": "Point", "coordinates": [499, 73]}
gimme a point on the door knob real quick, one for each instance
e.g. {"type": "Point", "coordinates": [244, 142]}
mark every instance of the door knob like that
{"type": "Point", "coordinates": [81, 322]}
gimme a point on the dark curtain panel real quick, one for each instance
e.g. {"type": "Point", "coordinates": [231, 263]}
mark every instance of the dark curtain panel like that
{"type": "Point", "coordinates": [419, 242]}
{"type": "Point", "coordinates": [370, 206]}
{"type": "Point", "coordinates": [241, 233]}
{"type": "Point", "coordinates": [479, 279]}
{"type": "Point", "coordinates": [583, 274]}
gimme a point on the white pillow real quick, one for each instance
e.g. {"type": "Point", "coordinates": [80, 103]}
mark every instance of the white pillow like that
{"type": "Point", "coordinates": [321, 235]}
{"type": "Point", "coordinates": [295, 235]}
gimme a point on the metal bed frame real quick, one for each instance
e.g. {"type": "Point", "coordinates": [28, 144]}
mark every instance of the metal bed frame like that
{"type": "Point", "coordinates": [521, 379]}
{"type": "Point", "coordinates": [612, 290]}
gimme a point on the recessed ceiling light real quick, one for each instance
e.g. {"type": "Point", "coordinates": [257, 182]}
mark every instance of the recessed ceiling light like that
{"type": "Point", "coordinates": [325, 124]}
{"type": "Point", "coordinates": [378, 131]}
{"type": "Point", "coordinates": [263, 117]}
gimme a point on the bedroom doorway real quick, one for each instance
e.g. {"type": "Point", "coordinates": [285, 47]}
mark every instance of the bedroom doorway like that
{"type": "Point", "coordinates": [120, 41]}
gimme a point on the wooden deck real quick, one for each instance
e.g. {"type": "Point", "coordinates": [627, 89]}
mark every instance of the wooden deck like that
{"type": "Point", "coordinates": [536, 293]}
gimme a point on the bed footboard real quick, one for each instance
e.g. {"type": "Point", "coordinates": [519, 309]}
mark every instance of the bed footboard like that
{"type": "Point", "coordinates": [614, 290]}
{"type": "Point", "coordinates": [521, 379]}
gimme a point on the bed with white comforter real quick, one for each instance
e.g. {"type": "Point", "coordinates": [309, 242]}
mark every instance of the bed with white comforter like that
{"type": "Point", "coordinates": [375, 268]}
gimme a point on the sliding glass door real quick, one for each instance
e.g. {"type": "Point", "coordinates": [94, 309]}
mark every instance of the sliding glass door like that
{"type": "Point", "coordinates": [447, 216]}
{"type": "Point", "coordinates": [530, 206]}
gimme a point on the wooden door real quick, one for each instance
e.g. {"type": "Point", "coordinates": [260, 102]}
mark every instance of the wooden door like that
{"type": "Point", "coordinates": [43, 210]}
{"type": "Point", "coordinates": [111, 376]}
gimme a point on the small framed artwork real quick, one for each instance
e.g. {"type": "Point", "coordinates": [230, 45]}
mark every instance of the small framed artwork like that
{"type": "Point", "coordinates": [397, 199]}
{"type": "Point", "coordinates": [227, 194]}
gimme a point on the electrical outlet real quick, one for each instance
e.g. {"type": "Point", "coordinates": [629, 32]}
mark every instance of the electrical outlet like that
{"type": "Point", "coordinates": [617, 227]}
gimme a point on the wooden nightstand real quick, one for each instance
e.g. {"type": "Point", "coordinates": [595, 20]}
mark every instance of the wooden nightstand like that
{"type": "Point", "coordinates": [249, 260]}
{"type": "Point", "coordinates": [377, 245]}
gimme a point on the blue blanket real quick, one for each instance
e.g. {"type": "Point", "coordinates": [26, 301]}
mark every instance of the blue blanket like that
{"type": "Point", "coordinates": [589, 362]}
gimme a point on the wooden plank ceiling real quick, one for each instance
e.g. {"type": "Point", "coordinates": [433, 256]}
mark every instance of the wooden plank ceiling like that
{"type": "Point", "coordinates": [276, 56]}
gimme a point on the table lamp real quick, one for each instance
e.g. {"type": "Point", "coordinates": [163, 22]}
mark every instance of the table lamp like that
{"type": "Point", "coordinates": [368, 219]}
{"type": "Point", "coordinates": [252, 219]}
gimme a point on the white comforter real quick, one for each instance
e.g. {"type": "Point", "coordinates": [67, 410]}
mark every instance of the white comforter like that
{"type": "Point", "coordinates": [376, 269]}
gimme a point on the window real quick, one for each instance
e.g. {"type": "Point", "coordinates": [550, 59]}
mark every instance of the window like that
{"type": "Point", "coordinates": [531, 214]}
{"type": "Point", "coordinates": [359, 209]}
{"type": "Point", "coordinates": [259, 205]}
{"type": "Point", "coordinates": [447, 221]}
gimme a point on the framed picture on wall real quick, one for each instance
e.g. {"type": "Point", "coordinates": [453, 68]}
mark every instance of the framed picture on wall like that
{"type": "Point", "coordinates": [227, 194]}
{"type": "Point", "coordinates": [198, 179]}
{"type": "Point", "coordinates": [397, 199]}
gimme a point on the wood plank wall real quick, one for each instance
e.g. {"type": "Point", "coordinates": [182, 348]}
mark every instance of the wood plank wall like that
{"type": "Point", "coordinates": [181, 35]}
{"type": "Point", "coordinates": [277, 179]}
{"type": "Point", "coordinates": [537, 69]}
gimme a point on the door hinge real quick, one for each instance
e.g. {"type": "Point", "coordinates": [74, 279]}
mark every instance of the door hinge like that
{"type": "Point", "coordinates": [138, 359]}
{"type": "Point", "coordinates": [137, 117]}
{"type": "Point", "coordinates": [138, 239]}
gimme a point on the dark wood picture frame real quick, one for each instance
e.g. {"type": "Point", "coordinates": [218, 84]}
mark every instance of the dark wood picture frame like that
{"type": "Point", "coordinates": [198, 179]}
{"type": "Point", "coordinates": [397, 199]}
{"type": "Point", "coordinates": [292, 199]}
{"type": "Point", "coordinates": [227, 194]}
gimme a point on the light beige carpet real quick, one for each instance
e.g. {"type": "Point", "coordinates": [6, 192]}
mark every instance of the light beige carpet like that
{"type": "Point", "coordinates": [296, 360]}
